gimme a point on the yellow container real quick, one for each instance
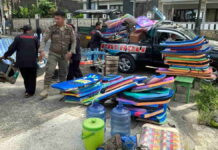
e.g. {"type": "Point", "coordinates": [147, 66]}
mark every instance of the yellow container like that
{"type": "Point", "coordinates": [88, 37]}
{"type": "Point", "coordinates": [93, 133]}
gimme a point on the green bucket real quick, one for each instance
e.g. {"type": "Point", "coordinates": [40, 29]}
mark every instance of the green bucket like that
{"type": "Point", "coordinates": [93, 133]}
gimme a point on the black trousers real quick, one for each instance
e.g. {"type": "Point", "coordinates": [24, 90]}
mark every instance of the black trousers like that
{"type": "Point", "coordinates": [29, 77]}
{"type": "Point", "coordinates": [74, 70]}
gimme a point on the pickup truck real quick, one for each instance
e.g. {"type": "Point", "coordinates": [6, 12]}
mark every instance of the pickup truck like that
{"type": "Point", "coordinates": [147, 52]}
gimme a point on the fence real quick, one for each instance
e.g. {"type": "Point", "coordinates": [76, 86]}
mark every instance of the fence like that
{"type": "Point", "coordinates": [210, 29]}
{"type": "Point", "coordinates": [204, 26]}
{"type": "Point", "coordinates": [46, 22]}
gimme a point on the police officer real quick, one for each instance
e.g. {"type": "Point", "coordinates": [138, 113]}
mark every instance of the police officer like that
{"type": "Point", "coordinates": [61, 35]}
{"type": "Point", "coordinates": [26, 47]}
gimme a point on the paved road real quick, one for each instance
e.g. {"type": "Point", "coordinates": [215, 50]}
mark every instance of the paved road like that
{"type": "Point", "coordinates": [31, 124]}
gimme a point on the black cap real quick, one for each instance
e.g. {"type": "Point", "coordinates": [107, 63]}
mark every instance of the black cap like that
{"type": "Point", "coordinates": [26, 28]}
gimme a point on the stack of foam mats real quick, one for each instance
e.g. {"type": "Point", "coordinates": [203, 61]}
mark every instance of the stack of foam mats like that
{"type": "Point", "coordinates": [95, 87]}
{"type": "Point", "coordinates": [187, 58]}
{"type": "Point", "coordinates": [119, 21]}
{"type": "Point", "coordinates": [149, 100]}
{"type": "Point", "coordinates": [144, 24]}
{"type": "Point", "coordinates": [115, 86]}
{"type": "Point", "coordinates": [81, 88]}
{"type": "Point", "coordinates": [117, 29]}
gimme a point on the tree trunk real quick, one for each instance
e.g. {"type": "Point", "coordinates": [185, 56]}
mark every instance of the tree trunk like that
{"type": "Point", "coordinates": [198, 22]}
{"type": "Point", "coordinates": [2, 15]}
{"type": "Point", "coordinates": [12, 10]}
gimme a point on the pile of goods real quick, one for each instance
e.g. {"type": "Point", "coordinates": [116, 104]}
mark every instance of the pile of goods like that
{"type": "Point", "coordinates": [8, 73]}
{"type": "Point", "coordinates": [144, 98]}
{"type": "Point", "coordinates": [120, 28]}
{"type": "Point", "coordinates": [4, 44]}
{"type": "Point", "coordinates": [187, 58]}
{"type": "Point", "coordinates": [89, 57]}
{"type": "Point", "coordinates": [149, 100]}
{"type": "Point", "coordinates": [95, 87]}
{"type": "Point", "coordinates": [81, 89]}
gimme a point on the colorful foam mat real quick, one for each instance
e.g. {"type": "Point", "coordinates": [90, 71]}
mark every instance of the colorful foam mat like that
{"type": "Point", "coordinates": [189, 74]}
{"type": "Point", "coordinates": [106, 95]}
{"type": "Point", "coordinates": [143, 103]}
{"type": "Point", "coordinates": [89, 91]}
{"type": "Point", "coordinates": [101, 91]}
{"type": "Point", "coordinates": [78, 83]}
{"type": "Point", "coordinates": [147, 104]}
{"type": "Point", "coordinates": [183, 44]}
{"type": "Point", "coordinates": [191, 67]}
{"type": "Point", "coordinates": [111, 77]}
{"type": "Point", "coordinates": [144, 87]}
{"type": "Point", "coordinates": [143, 113]}
{"type": "Point", "coordinates": [189, 53]}
{"type": "Point", "coordinates": [188, 63]}
{"type": "Point", "coordinates": [155, 79]}
{"type": "Point", "coordinates": [187, 58]}
{"type": "Point", "coordinates": [162, 93]}
{"type": "Point", "coordinates": [184, 56]}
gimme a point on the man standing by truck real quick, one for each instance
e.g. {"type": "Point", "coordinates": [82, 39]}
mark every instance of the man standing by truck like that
{"type": "Point", "coordinates": [97, 37]}
{"type": "Point", "coordinates": [61, 35]}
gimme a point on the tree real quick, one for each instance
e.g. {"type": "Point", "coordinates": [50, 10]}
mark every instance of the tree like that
{"type": "Point", "coordinates": [43, 7]}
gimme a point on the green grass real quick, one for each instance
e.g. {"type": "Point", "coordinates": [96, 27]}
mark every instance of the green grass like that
{"type": "Point", "coordinates": [207, 103]}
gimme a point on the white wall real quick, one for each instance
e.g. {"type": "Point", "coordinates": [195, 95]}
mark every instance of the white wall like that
{"type": "Point", "coordinates": [46, 22]}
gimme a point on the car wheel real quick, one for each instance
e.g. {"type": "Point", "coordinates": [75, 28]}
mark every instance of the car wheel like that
{"type": "Point", "coordinates": [126, 63]}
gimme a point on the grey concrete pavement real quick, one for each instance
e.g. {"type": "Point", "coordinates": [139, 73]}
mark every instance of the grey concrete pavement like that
{"type": "Point", "coordinates": [30, 124]}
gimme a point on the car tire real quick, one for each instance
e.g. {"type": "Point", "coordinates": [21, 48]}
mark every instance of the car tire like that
{"type": "Point", "coordinates": [126, 63]}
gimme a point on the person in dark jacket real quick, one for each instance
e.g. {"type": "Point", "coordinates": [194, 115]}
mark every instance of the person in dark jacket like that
{"type": "Point", "coordinates": [74, 69]}
{"type": "Point", "coordinates": [39, 33]}
{"type": "Point", "coordinates": [97, 37]}
{"type": "Point", "coordinates": [26, 47]}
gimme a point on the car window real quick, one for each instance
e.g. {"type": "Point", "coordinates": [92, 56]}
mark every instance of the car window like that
{"type": "Point", "coordinates": [145, 38]}
{"type": "Point", "coordinates": [167, 35]}
{"type": "Point", "coordinates": [188, 32]}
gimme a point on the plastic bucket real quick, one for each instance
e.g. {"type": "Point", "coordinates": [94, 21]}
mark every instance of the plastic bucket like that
{"type": "Point", "coordinates": [93, 133]}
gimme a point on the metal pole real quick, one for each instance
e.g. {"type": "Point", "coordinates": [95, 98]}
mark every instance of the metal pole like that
{"type": "Point", "coordinates": [89, 4]}
{"type": "Point", "coordinates": [197, 22]}
{"type": "Point", "coordinates": [97, 4]}
{"type": "Point", "coordinates": [134, 5]}
{"type": "Point", "coordinates": [2, 16]}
